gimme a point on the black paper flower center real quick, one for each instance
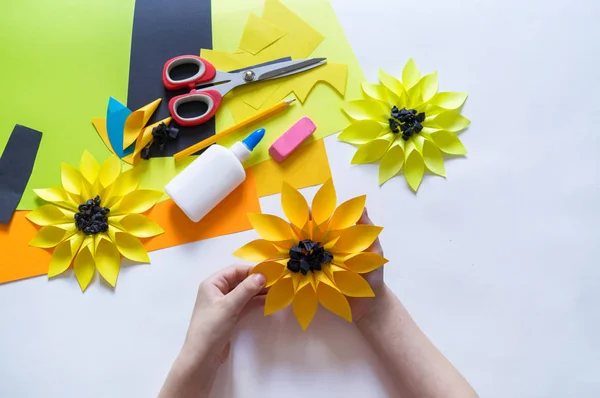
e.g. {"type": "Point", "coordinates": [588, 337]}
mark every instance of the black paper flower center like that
{"type": "Point", "coordinates": [308, 256]}
{"type": "Point", "coordinates": [406, 120]}
{"type": "Point", "coordinates": [91, 217]}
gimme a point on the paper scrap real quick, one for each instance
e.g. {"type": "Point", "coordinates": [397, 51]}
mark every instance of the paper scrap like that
{"type": "Point", "coordinates": [316, 257]}
{"type": "Point", "coordinates": [16, 165]}
{"type": "Point", "coordinates": [116, 116]}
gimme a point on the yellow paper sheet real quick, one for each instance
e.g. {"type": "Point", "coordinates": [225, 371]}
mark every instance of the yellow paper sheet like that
{"type": "Point", "coordinates": [314, 31]}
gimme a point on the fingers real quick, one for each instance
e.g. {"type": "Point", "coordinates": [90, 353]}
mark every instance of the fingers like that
{"type": "Point", "coordinates": [228, 278]}
{"type": "Point", "coordinates": [245, 290]}
{"type": "Point", "coordinates": [376, 246]}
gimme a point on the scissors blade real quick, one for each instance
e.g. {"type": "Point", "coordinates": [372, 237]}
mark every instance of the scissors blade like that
{"type": "Point", "coordinates": [282, 69]}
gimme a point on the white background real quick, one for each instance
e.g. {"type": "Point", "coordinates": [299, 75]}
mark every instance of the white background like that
{"type": "Point", "coordinates": [499, 263]}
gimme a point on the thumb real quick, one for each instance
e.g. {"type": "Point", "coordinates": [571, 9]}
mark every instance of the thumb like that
{"type": "Point", "coordinates": [247, 289]}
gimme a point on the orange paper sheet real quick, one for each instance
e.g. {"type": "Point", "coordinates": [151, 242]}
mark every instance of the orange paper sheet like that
{"type": "Point", "coordinates": [20, 261]}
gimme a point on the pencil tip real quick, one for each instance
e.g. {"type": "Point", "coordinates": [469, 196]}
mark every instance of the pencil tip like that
{"type": "Point", "coordinates": [290, 101]}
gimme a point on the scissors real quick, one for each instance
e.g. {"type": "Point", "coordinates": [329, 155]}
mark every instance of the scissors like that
{"type": "Point", "coordinates": [209, 85]}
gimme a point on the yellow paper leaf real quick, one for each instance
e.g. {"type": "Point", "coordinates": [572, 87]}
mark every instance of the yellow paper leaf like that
{"type": "Point", "coordinates": [334, 301]}
{"type": "Point", "coordinates": [257, 250]}
{"type": "Point", "coordinates": [294, 205]}
{"type": "Point", "coordinates": [271, 227]}
{"type": "Point", "coordinates": [135, 122]}
{"type": "Point", "coordinates": [131, 247]}
{"type": "Point", "coordinates": [305, 305]}
{"type": "Point", "coordinates": [450, 121]}
{"type": "Point", "coordinates": [391, 163]}
{"type": "Point", "coordinates": [428, 86]}
{"type": "Point", "coordinates": [449, 100]}
{"type": "Point", "coordinates": [353, 285]}
{"type": "Point", "coordinates": [71, 179]}
{"type": "Point", "coordinates": [50, 236]}
{"type": "Point", "coordinates": [84, 267]}
{"type": "Point", "coordinates": [364, 110]}
{"type": "Point", "coordinates": [109, 170]}
{"type": "Point", "coordinates": [374, 150]}
{"type": "Point", "coordinates": [89, 167]}
{"type": "Point", "coordinates": [414, 168]}
{"type": "Point", "coordinates": [433, 159]}
{"type": "Point", "coordinates": [410, 74]}
{"type": "Point", "coordinates": [50, 215]}
{"type": "Point", "coordinates": [357, 238]}
{"type": "Point", "coordinates": [137, 201]}
{"type": "Point", "coordinates": [280, 295]}
{"type": "Point", "coordinates": [361, 132]}
{"type": "Point", "coordinates": [53, 195]}
{"type": "Point", "coordinates": [448, 142]}
{"type": "Point", "coordinates": [323, 203]}
{"type": "Point", "coordinates": [259, 34]}
{"type": "Point", "coordinates": [272, 270]}
{"type": "Point", "coordinates": [63, 254]}
{"type": "Point", "coordinates": [348, 213]}
{"type": "Point", "coordinates": [138, 225]}
{"type": "Point", "coordinates": [108, 261]}
{"type": "Point", "coordinates": [362, 263]}
{"type": "Point", "coordinates": [375, 91]}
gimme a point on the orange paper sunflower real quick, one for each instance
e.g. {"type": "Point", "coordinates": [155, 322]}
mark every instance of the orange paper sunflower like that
{"type": "Point", "coordinates": [93, 219]}
{"type": "Point", "coordinates": [316, 257]}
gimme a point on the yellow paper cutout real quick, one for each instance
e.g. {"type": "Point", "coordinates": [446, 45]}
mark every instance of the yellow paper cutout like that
{"type": "Point", "coordinates": [328, 283]}
{"type": "Point", "coordinates": [440, 120]}
{"type": "Point", "coordinates": [258, 34]}
{"type": "Point", "coordinates": [100, 250]}
{"type": "Point", "coordinates": [313, 31]}
{"type": "Point", "coordinates": [136, 121]}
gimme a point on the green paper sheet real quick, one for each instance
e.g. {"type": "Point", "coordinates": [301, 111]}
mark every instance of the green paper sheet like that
{"type": "Point", "coordinates": [56, 57]}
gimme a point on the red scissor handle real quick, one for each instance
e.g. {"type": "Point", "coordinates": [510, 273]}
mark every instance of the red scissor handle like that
{"type": "Point", "coordinates": [212, 98]}
{"type": "Point", "coordinates": [206, 72]}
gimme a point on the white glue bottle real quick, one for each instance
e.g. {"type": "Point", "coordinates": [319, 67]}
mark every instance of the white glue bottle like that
{"type": "Point", "coordinates": [211, 177]}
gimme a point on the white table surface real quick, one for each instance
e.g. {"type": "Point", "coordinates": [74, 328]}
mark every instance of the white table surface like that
{"type": "Point", "coordinates": [499, 263]}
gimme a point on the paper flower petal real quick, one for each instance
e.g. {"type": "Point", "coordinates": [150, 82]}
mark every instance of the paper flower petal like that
{"type": "Point", "coordinates": [50, 236]}
{"type": "Point", "coordinates": [364, 110]}
{"type": "Point", "coordinates": [109, 171]}
{"type": "Point", "coordinates": [352, 285]}
{"type": "Point", "coordinates": [396, 91]}
{"type": "Point", "coordinates": [52, 195]}
{"type": "Point", "coordinates": [271, 227]}
{"type": "Point", "coordinates": [391, 163]}
{"type": "Point", "coordinates": [136, 121]}
{"type": "Point", "coordinates": [361, 132]}
{"type": "Point", "coordinates": [137, 201]}
{"type": "Point", "coordinates": [125, 183]}
{"type": "Point", "coordinates": [348, 213]}
{"type": "Point", "coordinates": [428, 86]}
{"type": "Point", "coordinates": [373, 151]}
{"type": "Point", "coordinates": [323, 203]}
{"type": "Point", "coordinates": [449, 100]}
{"type": "Point", "coordinates": [71, 179]}
{"type": "Point", "coordinates": [63, 255]}
{"type": "Point", "coordinates": [272, 270]}
{"type": "Point", "coordinates": [450, 121]}
{"type": "Point", "coordinates": [432, 157]}
{"type": "Point", "coordinates": [257, 250]}
{"type": "Point", "coordinates": [139, 225]}
{"type": "Point", "coordinates": [294, 205]}
{"type": "Point", "coordinates": [84, 266]}
{"type": "Point", "coordinates": [414, 167]}
{"type": "Point", "coordinates": [362, 263]}
{"type": "Point", "coordinates": [375, 91]}
{"type": "Point", "coordinates": [357, 238]}
{"type": "Point", "coordinates": [280, 295]}
{"type": "Point", "coordinates": [448, 142]}
{"type": "Point", "coordinates": [108, 261]}
{"type": "Point", "coordinates": [131, 247]}
{"type": "Point", "coordinates": [305, 305]}
{"type": "Point", "coordinates": [410, 74]}
{"type": "Point", "coordinates": [50, 215]}
{"type": "Point", "coordinates": [89, 167]}
{"type": "Point", "coordinates": [334, 301]}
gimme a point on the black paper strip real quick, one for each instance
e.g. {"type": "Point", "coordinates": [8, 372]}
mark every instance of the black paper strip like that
{"type": "Point", "coordinates": [16, 165]}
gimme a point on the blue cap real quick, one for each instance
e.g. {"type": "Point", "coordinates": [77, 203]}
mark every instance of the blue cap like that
{"type": "Point", "coordinates": [253, 139]}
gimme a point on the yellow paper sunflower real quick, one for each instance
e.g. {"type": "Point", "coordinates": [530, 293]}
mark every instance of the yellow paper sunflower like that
{"type": "Point", "coordinates": [406, 124]}
{"type": "Point", "coordinates": [316, 257]}
{"type": "Point", "coordinates": [94, 218]}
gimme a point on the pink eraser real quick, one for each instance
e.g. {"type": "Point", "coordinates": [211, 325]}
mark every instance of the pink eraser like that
{"type": "Point", "coordinates": [291, 139]}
